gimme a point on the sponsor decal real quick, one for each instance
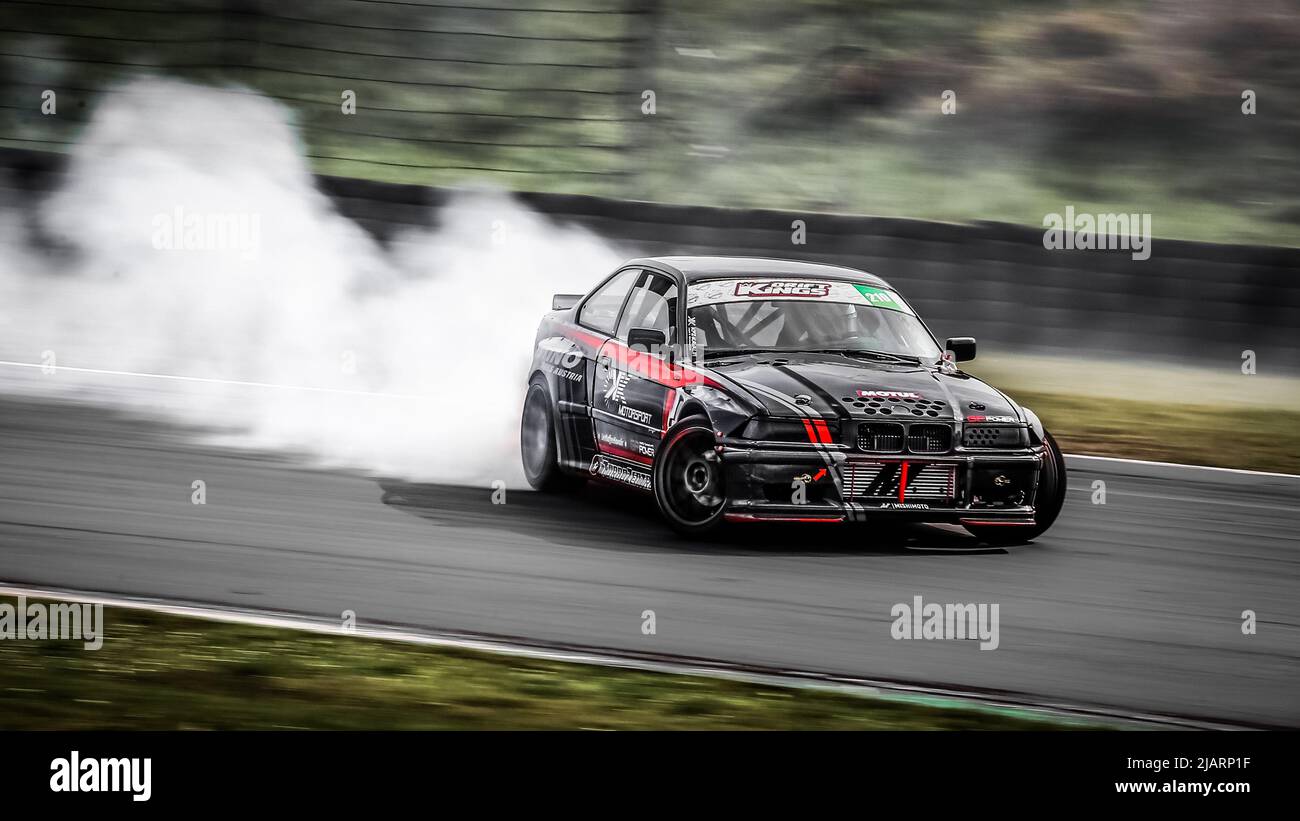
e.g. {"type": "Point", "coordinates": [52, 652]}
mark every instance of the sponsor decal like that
{"type": "Point", "coordinates": [565, 357]}
{"type": "Point", "coordinates": [559, 358]}
{"type": "Point", "coordinates": [889, 395]}
{"type": "Point", "coordinates": [779, 287]}
{"type": "Point", "coordinates": [694, 337]}
{"type": "Point", "coordinates": [1000, 419]}
{"type": "Point", "coordinates": [572, 376]}
{"type": "Point", "coordinates": [615, 384]}
{"type": "Point", "coordinates": [635, 415]}
{"type": "Point", "coordinates": [881, 298]}
{"type": "Point", "coordinates": [623, 474]}
{"type": "Point", "coordinates": [904, 506]}
{"type": "Point", "coordinates": [645, 449]}
{"type": "Point", "coordinates": [612, 439]}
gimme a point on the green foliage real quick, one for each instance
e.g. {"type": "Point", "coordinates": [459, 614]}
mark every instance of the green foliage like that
{"type": "Point", "coordinates": [823, 105]}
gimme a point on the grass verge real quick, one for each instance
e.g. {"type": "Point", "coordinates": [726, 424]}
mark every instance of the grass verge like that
{"type": "Point", "coordinates": [159, 671]}
{"type": "Point", "coordinates": [1251, 438]}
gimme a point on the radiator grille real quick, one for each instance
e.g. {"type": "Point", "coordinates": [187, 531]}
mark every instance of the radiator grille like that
{"type": "Point", "coordinates": [873, 480]}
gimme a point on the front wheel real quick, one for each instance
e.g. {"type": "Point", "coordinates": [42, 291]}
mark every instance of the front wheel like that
{"type": "Point", "coordinates": [688, 482]}
{"type": "Point", "coordinates": [1047, 502]}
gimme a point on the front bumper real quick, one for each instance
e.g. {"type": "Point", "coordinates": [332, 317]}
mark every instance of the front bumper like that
{"type": "Point", "coordinates": [770, 481]}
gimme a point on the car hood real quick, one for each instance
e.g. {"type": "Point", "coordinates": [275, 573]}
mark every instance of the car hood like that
{"type": "Point", "coordinates": [837, 385]}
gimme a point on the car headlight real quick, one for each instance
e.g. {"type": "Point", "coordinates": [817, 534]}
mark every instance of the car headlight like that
{"type": "Point", "coordinates": [783, 430]}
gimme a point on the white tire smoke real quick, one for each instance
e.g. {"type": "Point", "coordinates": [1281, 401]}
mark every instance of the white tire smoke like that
{"type": "Point", "coordinates": [192, 242]}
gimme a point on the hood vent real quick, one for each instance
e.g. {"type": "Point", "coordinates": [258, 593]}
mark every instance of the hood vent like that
{"type": "Point", "coordinates": [897, 406]}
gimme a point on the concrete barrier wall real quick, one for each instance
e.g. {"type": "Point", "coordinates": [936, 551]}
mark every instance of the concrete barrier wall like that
{"type": "Point", "coordinates": [1198, 303]}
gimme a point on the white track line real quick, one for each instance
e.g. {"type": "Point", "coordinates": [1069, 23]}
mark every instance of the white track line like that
{"type": "Point", "coordinates": [239, 382]}
{"type": "Point", "coordinates": [785, 678]}
{"type": "Point", "coordinates": [1238, 471]}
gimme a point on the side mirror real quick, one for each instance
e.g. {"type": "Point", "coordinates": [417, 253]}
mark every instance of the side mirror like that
{"type": "Point", "coordinates": [563, 302]}
{"type": "Point", "coordinates": [646, 339]}
{"type": "Point", "coordinates": [962, 347]}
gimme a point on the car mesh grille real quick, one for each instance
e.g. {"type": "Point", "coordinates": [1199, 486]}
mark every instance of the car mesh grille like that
{"type": "Point", "coordinates": [890, 437]}
{"type": "Point", "coordinates": [879, 480]}
{"type": "Point", "coordinates": [929, 438]}
{"type": "Point", "coordinates": [987, 436]}
{"type": "Point", "coordinates": [880, 438]}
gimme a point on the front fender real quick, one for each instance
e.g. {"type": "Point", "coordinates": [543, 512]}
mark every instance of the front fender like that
{"type": "Point", "coordinates": [726, 412]}
{"type": "Point", "coordinates": [1035, 424]}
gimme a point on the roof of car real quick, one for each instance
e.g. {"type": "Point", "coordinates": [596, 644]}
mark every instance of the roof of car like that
{"type": "Point", "coordinates": [694, 269]}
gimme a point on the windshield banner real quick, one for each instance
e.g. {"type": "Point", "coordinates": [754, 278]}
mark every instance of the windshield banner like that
{"type": "Point", "coordinates": [745, 290]}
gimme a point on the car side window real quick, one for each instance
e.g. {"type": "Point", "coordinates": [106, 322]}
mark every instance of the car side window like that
{"type": "Point", "coordinates": [653, 305]}
{"type": "Point", "coordinates": [600, 311]}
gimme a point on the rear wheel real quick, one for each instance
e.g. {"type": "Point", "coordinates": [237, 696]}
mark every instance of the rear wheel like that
{"type": "Point", "coordinates": [688, 482]}
{"type": "Point", "coordinates": [1048, 502]}
{"type": "Point", "coordinates": [537, 442]}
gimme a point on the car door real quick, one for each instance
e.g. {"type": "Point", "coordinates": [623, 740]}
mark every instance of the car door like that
{"type": "Point", "coordinates": [633, 392]}
{"type": "Point", "coordinates": [595, 322]}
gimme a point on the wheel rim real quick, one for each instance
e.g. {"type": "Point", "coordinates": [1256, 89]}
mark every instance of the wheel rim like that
{"type": "Point", "coordinates": [694, 478]}
{"type": "Point", "coordinates": [534, 433]}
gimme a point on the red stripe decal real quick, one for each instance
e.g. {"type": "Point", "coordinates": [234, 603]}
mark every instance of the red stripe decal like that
{"type": "Point", "coordinates": [808, 427]}
{"type": "Point", "coordinates": [668, 407]}
{"type": "Point", "coordinates": [749, 517]}
{"type": "Point", "coordinates": [902, 483]}
{"type": "Point", "coordinates": [823, 431]}
{"type": "Point", "coordinates": [641, 363]}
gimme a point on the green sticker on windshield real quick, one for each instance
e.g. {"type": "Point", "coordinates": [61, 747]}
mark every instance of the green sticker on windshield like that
{"type": "Point", "coordinates": [881, 298]}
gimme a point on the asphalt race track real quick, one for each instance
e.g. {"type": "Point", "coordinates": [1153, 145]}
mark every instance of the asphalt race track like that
{"type": "Point", "coordinates": [1134, 605]}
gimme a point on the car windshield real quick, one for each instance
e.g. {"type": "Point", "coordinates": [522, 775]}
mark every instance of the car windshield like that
{"type": "Point", "coordinates": [772, 315]}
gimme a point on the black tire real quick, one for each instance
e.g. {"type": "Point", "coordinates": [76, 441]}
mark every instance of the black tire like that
{"type": "Point", "coordinates": [538, 444]}
{"type": "Point", "coordinates": [687, 478]}
{"type": "Point", "coordinates": [1049, 500]}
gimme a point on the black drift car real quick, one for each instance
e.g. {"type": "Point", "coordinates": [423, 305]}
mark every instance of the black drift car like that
{"type": "Point", "coordinates": [738, 389]}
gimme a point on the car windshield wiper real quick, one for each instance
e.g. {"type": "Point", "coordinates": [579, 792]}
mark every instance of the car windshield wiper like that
{"type": "Point", "coordinates": [712, 352]}
{"type": "Point", "coordinates": [883, 356]}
